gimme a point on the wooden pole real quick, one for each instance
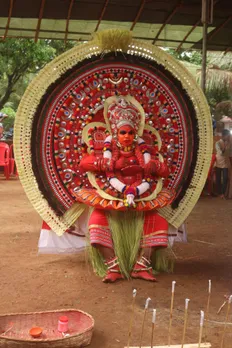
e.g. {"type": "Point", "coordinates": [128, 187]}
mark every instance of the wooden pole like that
{"type": "Point", "coordinates": [153, 327]}
{"type": "Point", "coordinates": [138, 14]}
{"type": "Point", "coordinates": [201, 328]}
{"type": "Point", "coordinates": [171, 313]}
{"type": "Point", "coordinates": [132, 317]}
{"type": "Point", "coordinates": [9, 18]}
{"type": "Point", "coordinates": [41, 11]}
{"type": "Point", "coordinates": [204, 57]}
{"type": "Point", "coordinates": [207, 308]}
{"type": "Point", "coordinates": [204, 19]}
{"type": "Point", "coordinates": [226, 320]}
{"type": "Point", "coordinates": [67, 21]}
{"type": "Point", "coordinates": [144, 317]}
{"type": "Point", "coordinates": [185, 321]}
{"type": "Point", "coordinates": [191, 345]}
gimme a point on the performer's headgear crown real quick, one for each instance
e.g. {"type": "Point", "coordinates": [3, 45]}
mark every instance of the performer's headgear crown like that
{"type": "Point", "coordinates": [123, 113]}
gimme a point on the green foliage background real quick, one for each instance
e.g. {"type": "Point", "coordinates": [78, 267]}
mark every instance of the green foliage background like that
{"type": "Point", "coordinates": [22, 59]}
{"type": "Point", "coordinates": [218, 78]}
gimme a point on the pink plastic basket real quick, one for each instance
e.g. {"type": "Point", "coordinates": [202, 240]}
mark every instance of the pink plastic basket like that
{"type": "Point", "coordinates": [14, 329]}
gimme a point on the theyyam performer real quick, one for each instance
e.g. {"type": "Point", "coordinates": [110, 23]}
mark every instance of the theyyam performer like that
{"type": "Point", "coordinates": [114, 136]}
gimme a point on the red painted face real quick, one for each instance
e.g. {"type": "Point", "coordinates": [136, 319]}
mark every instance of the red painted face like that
{"type": "Point", "coordinates": [126, 135]}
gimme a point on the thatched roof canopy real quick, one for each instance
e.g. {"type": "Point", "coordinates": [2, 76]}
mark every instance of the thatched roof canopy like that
{"type": "Point", "coordinates": [173, 23]}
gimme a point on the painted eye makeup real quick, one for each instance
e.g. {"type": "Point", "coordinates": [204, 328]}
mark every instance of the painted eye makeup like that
{"type": "Point", "coordinates": [122, 132]}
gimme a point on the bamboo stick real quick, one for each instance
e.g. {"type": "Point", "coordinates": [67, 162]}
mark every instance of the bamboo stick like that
{"type": "Point", "coordinates": [201, 328]}
{"type": "Point", "coordinates": [153, 327]}
{"type": "Point", "coordinates": [191, 345]}
{"type": "Point", "coordinates": [132, 317]}
{"type": "Point", "coordinates": [171, 313]}
{"type": "Point", "coordinates": [207, 309]}
{"type": "Point", "coordinates": [144, 317]}
{"type": "Point", "coordinates": [185, 320]}
{"type": "Point", "coordinates": [226, 320]}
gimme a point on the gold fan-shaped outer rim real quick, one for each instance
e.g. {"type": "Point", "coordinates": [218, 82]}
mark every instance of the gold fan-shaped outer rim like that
{"type": "Point", "coordinates": [53, 71]}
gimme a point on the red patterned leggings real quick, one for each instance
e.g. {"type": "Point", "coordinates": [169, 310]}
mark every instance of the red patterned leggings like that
{"type": "Point", "coordinates": [154, 232]}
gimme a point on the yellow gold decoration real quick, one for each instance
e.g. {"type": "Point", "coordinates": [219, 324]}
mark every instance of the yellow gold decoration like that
{"type": "Point", "coordinates": [73, 213]}
{"type": "Point", "coordinates": [112, 40]}
{"type": "Point", "coordinates": [154, 131]}
{"type": "Point", "coordinates": [103, 194]}
{"type": "Point", "coordinates": [89, 126]}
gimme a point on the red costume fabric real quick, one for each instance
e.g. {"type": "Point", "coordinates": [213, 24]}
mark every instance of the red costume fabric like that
{"type": "Point", "coordinates": [130, 169]}
{"type": "Point", "coordinates": [154, 231]}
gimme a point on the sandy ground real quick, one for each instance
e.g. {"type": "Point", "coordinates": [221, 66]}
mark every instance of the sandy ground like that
{"type": "Point", "coordinates": [29, 282]}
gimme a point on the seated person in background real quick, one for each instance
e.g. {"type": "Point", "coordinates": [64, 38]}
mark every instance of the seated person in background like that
{"type": "Point", "coordinates": [2, 116]}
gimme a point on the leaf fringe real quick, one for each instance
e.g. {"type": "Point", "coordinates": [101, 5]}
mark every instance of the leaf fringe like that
{"type": "Point", "coordinates": [113, 40]}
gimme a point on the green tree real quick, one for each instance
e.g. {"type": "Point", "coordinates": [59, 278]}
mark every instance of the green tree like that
{"type": "Point", "coordinates": [8, 122]}
{"type": "Point", "coordinates": [17, 58]}
{"type": "Point", "coordinates": [20, 59]}
{"type": "Point", "coordinates": [218, 76]}
{"type": "Point", "coordinates": [217, 94]}
{"type": "Point", "coordinates": [193, 57]}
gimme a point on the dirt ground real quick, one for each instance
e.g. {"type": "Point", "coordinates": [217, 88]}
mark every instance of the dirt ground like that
{"type": "Point", "coordinates": [29, 282]}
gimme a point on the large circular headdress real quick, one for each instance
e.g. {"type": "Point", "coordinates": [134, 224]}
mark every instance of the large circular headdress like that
{"type": "Point", "coordinates": [70, 93]}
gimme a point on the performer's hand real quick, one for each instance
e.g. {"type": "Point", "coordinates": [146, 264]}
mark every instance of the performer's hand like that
{"type": "Point", "coordinates": [103, 164]}
{"type": "Point", "coordinates": [156, 168]}
{"type": "Point", "coordinates": [150, 167]}
{"type": "Point", "coordinates": [130, 199]}
{"type": "Point", "coordinates": [92, 163]}
{"type": "Point", "coordinates": [119, 164]}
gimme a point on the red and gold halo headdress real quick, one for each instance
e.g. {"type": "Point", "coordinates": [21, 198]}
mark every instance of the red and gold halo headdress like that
{"type": "Point", "coordinates": [124, 110]}
{"type": "Point", "coordinates": [65, 96]}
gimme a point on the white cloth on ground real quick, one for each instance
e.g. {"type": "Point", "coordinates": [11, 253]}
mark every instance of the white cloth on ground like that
{"type": "Point", "coordinates": [68, 243]}
{"type": "Point", "coordinates": [176, 235]}
{"type": "Point", "coordinates": [50, 243]}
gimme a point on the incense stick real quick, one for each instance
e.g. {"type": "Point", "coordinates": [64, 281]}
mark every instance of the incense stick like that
{"type": "Point", "coordinates": [227, 315]}
{"type": "Point", "coordinates": [201, 328]}
{"type": "Point", "coordinates": [207, 309]}
{"type": "Point", "coordinates": [132, 318]}
{"type": "Point", "coordinates": [153, 326]}
{"type": "Point", "coordinates": [171, 312]}
{"type": "Point", "coordinates": [185, 321]}
{"type": "Point", "coordinates": [144, 316]}
{"type": "Point", "coordinates": [224, 303]}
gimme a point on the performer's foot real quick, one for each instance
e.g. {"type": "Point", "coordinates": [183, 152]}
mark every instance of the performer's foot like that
{"type": "Point", "coordinates": [143, 270]}
{"type": "Point", "coordinates": [113, 271]}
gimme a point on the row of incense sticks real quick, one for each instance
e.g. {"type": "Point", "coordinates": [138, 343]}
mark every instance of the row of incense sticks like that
{"type": "Point", "coordinates": [204, 316]}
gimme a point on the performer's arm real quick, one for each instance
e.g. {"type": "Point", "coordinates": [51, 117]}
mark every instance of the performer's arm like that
{"type": "Point", "coordinates": [142, 188]}
{"type": "Point", "coordinates": [94, 164]}
{"type": "Point", "coordinates": [157, 168]}
{"type": "Point", "coordinates": [152, 167]}
{"type": "Point", "coordinates": [115, 183]}
{"type": "Point", "coordinates": [128, 191]}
